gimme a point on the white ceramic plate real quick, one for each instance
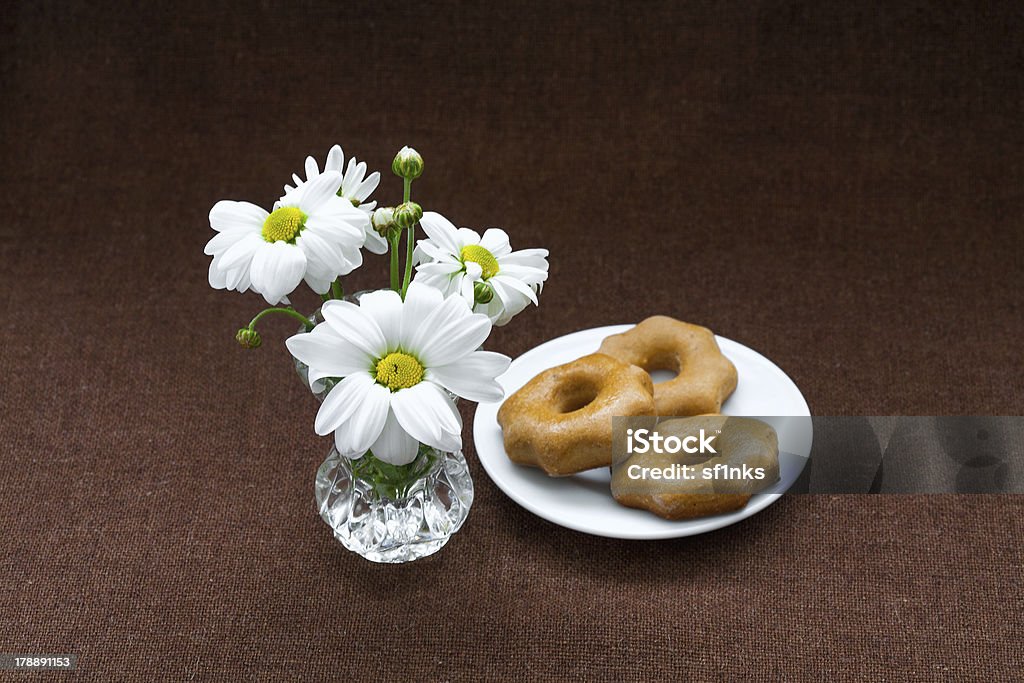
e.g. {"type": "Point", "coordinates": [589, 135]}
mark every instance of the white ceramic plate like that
{"type": "Point", "coordinates": [583, 502]}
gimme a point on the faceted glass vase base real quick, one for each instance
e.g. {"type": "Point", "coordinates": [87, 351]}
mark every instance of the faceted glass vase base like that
{"type": "Point", "coordinates": [387, 523]}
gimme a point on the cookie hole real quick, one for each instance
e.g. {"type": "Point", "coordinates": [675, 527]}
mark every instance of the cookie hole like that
{"type": "Point", "coordinates": [577, 398]}
{"type": "Point", "coordinates": [659, 376]}
{"type": "Point", "coordinates": [662, 367]}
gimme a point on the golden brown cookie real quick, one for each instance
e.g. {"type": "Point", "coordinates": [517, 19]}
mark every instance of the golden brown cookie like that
{"type": "Point", "coordinates": [561, 420]}
{"type": "Point", "coordinates": [739, 441]}
{"type": "Point", "coordinates": [705, 377]}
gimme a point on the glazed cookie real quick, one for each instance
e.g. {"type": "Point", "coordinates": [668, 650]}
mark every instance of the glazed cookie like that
{"type": "Point", "coordinates": [561, 420]}
{"type": "Point", "coordinates": [705, 377]}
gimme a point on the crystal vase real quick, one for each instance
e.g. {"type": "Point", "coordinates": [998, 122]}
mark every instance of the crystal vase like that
{"type": "Point", "coordinates": [391, 513]}
{"type": "Point", "coordinates": [394, 516]}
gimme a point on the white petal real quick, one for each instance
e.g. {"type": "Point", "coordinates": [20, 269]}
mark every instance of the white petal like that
{"type": "Point", "coordinates": [466, 290]}
{"type": "Point", "coordinates": [394, 445]}
{"type": "Point", "coordinates": [228, 216]}
{"type": "Point", "coordinates": [527, 257]}
{"type": "Point", "coordinates": [338, 230]}
{"type": "Point", "coordinates": [375, 243]}
{"type": "Point", "coordinates": [355, 216]}
{"type": "Point", "coordinates": [435, 252]}
{"type": "Point", "coordinates": [222, 241]}
{"type": "Point", "coordinates": [427, 414]}
{"type": "Point", "coordinates": [353, 259]}
{"type": "Point", "coordinates": [385, 307]}
{"type": "Point", "coordinates": [341, 403]}
{"type": "Point", "coordinates": [238, 279]}
{"type": "Point", "coordinates": [474, 271]}
{"type": "Point", "coordinates": [420, 301]}
{"type": "Point", "coordinates": [442, 283]}
{"type": "Point", "coordinates": [321, 284]}
{"type": "Point", "coordinates": [314, 376]}
{"type": "Point", "coordinates": [355, 326]}
{"type": "Point", "coordinates": [513, 283]}
{"type": "Point", "coordinates": [492, 309]}
{"type": "Point", "coordinates": [453, 441]}
{"type": "Point", "coordinates": [441, 231]}
{"type": "Point", "coordinates": [503, 295]}
{"type": "Point", "coordinates": [276, 270]}
{"type": "Point", "coordinates": [329, 353]}
{"type": "Point", "coordinates": [472, 377]}
{"type": "Point", "coordinates": [365, 425]}
{"type": "Point", "coordinates": [315, 193]}
{"type": "Point", "coordinates": [217, 277]}
{"type": "Point", "coordinates": [526, 274]}
{"type": "Point", "coordinates": [510, 301]}
{"type": "Point", "coordinates": [240, 254]}
{"type": "Point", "coordinates": [335, 159]}
{"type": "Point", "coordinates": [439, 268]}
{"type": "Point", "coordinates": [451, 333]}
{"type": "Point", "coordinates": [467, 236]}
{"type": "Point", "coordinates": [312, 169]}
{"type": "Point", "coordinates": [495, 240]}
{"type": "Point", "coordinates": [324, 260]}
{"type": "Point", "coordinates": [366, 187]}
{"type": "Point", "coordinates": [353, 177]}
{"type": "Point", "coordinates": [338, 208]}
{"type": "Point", "coordinates": [444, 316]}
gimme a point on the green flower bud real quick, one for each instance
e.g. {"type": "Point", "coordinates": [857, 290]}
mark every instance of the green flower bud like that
{"type": "Point", "coordinates": [482, 292]}
{"type": "Point", "coordinates": [408, 164]}
{"type": "Point", "coordinates": [407, 214]}
{"type": "Point", "coordinates": [384, 220]}
{"type": "Point", "coordinates": [248, 338]}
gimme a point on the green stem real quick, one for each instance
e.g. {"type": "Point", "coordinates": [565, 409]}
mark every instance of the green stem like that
{"type": "Point", "coordinates": [286, 311]}
{"type": "Point", "coordinates": [410, 241]}
{"type": "Point", "coordinates": [394, 481]}
{"type": "Point", "coordinates": [410, 236]}
{"type": "Point", "coordinates": [394, 261]}
{"type": "Point", "coordinates": [325, 297]}
{"type": "Point", "coordinates": [336, 291]}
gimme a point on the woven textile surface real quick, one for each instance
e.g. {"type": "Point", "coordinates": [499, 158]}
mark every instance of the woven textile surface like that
{"type": "Point", "coordinates": [837, 187]}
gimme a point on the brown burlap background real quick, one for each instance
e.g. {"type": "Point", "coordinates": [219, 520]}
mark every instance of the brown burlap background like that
{"type": "Point", "coordinates": [838, 188]}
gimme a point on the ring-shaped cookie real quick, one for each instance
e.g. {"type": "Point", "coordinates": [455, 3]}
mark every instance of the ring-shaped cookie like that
{"type": "Point", "coordinates": [561, 420]}
{"type": "Point", "coordinates": [705, 377]}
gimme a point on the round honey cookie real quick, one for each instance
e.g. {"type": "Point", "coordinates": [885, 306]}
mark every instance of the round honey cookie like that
{"type": "Point", "coordinates": [705, 377]}
{"type": "Point", "coordinates": [561, 420]}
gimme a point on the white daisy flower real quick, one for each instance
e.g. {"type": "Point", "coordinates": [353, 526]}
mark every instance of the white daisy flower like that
{"type": "Point", "coordinates": [484, 270]}
{"type": "Point", "coordinates": [356, 187]}
{"type": "Point", "coordinates": [399, 360]}
{"type": "Point", "coordinates": [312, 234]}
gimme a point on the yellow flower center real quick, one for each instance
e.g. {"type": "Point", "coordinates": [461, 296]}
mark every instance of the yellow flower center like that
{"type": "Point", "coordinates": [479, 255]}
{"type": "Point", "coordinates": [399, 371]}
{"type": "Point", "coordinates": [284, 224]}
